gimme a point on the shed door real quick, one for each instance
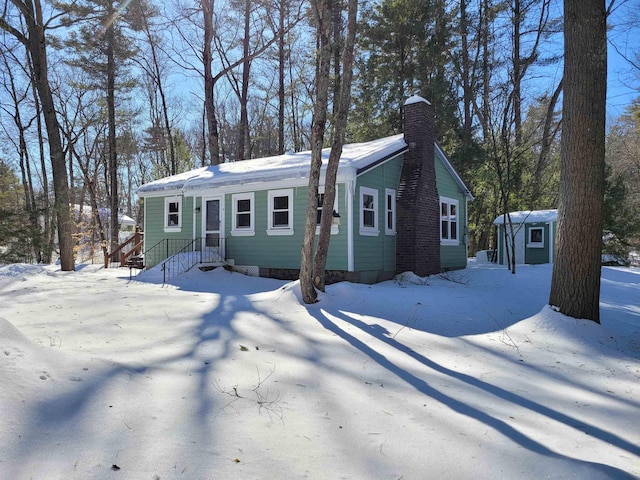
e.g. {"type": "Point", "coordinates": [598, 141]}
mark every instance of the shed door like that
{"type": "Point", "coordinates": [213, 249]}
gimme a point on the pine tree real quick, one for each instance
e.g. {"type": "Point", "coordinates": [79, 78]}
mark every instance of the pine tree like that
{"type": "Point", "coordinates": [102, 48]}
{"type": "Point", "coordinates": [575, 284]}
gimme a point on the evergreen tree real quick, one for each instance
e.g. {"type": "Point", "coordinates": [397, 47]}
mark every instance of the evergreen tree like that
{"type": "Point", "coordinates": [575, 283]}
{"type": "Point", "coordinates": [103, 47]}
{"type": "Point", "coordinates": [17, 236]}
{"type": "Point", "coordinates": [404, 49]}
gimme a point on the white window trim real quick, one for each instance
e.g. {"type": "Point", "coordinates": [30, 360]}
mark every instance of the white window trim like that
{"type": "Point", "coordinates": [369, 231]}
{"type": "Point", "coordinates": [271, 230]}
{"type": "Point", "coordinates": [172, 228]}
{"type": "Point", "coordinates": [389, 229]}
{"type": "Point", "coordinates": [450, 201]}
{"type": "Point", "coordinates": [243, 231]}
{"type": "Point", "coordinates": [335, 229]}
{"type": "Point", "coordinates": [531, 244]}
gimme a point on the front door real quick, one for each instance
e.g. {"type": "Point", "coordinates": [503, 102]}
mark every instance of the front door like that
{"type": "Point", "coordinates": [213, 228]}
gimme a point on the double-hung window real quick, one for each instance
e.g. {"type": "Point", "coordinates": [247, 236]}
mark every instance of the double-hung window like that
{"type": "Point", "coordinates": [449, 221]}
{"type": "Point", "coordinates": [334, 211]}
{"type": "Point", "coordinates": [243, 214]}
{"type": "Point", "coordinates": [390, 217]}
{"type": "Point", "coordinates": [369, 211]}
{"type": "Point", "coordinates": [536, 237]}
{"type": "Point", "coordinates": [280, 221]}
{"type": "Point", "coordinates": [173, 214]}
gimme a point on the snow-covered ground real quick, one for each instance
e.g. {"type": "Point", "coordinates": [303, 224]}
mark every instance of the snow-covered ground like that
{"type": "Point", "coordinates": [224, 376]}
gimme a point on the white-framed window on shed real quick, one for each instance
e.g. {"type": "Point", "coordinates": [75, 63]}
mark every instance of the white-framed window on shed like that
{"type": "Point", "coordinates": [243, 214]}
{"type": "Point", "coordinates": [535, 238]}
{"type": "Point", "coordinates": [280, 221]}
{"type": "Point", "coordinates": [390, 210]}
{"type": "Point", "coordinates": [369, 212]}
{"type": "Point", "coordinates": [449, 221]}
{"type": "Point", "coordinates": [173, 214]}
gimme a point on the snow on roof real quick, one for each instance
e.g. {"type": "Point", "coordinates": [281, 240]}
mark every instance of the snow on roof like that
{"type": "Point", "coordinates": [416, 99]}
{"type": "Point", "coordinates": [529, 216]}
{"type": "Point", "coordinates": [354, 157]}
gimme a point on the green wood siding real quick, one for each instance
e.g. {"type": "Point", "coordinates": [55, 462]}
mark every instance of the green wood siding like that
{"type": "Point", "coordinates": [452, 256]}
{"type": "Point", "coordinates": [376, 253]}
{"type": "Point", "coordinates": [154, 229]}
{"type": "Point", "coordinates": [372, 255]}
{"type": "Point", "coordinates": [281, 251]}
{"type": "Point", "coordinates": [532, 255]}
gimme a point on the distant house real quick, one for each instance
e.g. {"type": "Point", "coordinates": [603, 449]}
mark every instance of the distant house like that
{"type": "Point", "coordinates": [535, 233]}
{"type": "Point", "coordinates": [87, 237]}
{"type": "Point", "coordinates": [400, 206]}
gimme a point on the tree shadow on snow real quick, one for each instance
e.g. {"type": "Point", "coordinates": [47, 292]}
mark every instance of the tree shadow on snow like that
{"type": "Point", "coordinates": [583, 469]}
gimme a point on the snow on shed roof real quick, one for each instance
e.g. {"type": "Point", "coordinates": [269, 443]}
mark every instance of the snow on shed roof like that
{"type": "Point", "coordinates": [355, 158]}
{"type": "Point", "coordinates": [529, 216]}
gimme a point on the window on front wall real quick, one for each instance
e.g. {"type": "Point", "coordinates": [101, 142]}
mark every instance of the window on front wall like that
{"type": "Point", "coordinates": [334, 211]}
{"type": "Point", "coordinates": [172, 214]}
{"type": "Point", "coordinates": [368, 211]}
{"type": "Point", "coordinates": [536, 237]}
{"type": "Point", "coordinates": [280, 221]}
{"type": "Point", "coordinates": [320, 205]}
{"type": "Point", "coordinates": [243, 214]}
{"type": "Point", "coordinates": [390, 218]}
{"type": "Point", "coordinates": [449, 221]}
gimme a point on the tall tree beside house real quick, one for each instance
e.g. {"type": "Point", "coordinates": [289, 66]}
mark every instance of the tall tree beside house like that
{"type": "Point", "coordinates": [322, 17]}
{"type": "Point", "coordinates": [341, 103]}
{"type": "Point", "coordinates": [328, 16]}
{"type": "Point", "coordinates": [575, 283]}
{"type": "Point", "coordinates": [102, 48]}
{"type": "Point", "coordinates": [34, 39]}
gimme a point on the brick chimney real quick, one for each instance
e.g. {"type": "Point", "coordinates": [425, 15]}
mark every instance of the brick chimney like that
{"type": "Point", "coordinates": [418, 203]}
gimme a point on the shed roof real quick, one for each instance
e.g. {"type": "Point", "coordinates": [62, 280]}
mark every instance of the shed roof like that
{"type": "Point", "coordinates": [529, 216]}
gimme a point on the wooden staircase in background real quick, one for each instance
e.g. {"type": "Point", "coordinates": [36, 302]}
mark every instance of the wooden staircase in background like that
{"type": "Point", "coordinates": [130, 258]}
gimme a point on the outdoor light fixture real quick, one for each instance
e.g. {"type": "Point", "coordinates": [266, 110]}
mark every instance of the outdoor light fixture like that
{"type": "Point", "coordinates": [336, 218]}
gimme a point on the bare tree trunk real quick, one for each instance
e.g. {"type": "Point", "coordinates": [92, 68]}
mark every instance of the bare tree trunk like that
{"type": "Point", "coordinates": [281, 61]}
{"type": "Point", "coordinates": [156, 75]}
{"type": "Point", "coordinates": [35, 43]}
{"type": "Point", "coordinates": [575, 284]}
{"type": "Point", "coordinates": [111, 118]}
{"type": "Point", "coordinates": [243, 133]}
{"type": "Point", "coordinates": [209, 83]}
{"type": "Point", "coordinates": [322, 14]}
{"type": "Point", "coordinates": [465, 68]}
{"type": "Point", "coordinates": [341, 116]}
{"type": "Point", "coordinates": [548, 136]}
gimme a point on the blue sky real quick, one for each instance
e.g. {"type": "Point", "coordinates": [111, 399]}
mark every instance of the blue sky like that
{"type": "Point", "coordinates": [623, 78]}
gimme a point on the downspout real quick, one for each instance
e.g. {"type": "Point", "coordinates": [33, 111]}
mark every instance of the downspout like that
{"type": "Point", "coordinates": [144, 224]}
{"type": "Point", "coordinates": [466, 231]}
{"type": "Point", "coordinates": [193, 236]}
{"type": "Point", "coordinates": [349, 192]}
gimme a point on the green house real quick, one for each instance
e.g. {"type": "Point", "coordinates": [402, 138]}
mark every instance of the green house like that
{"type": "Point", "coordinates": [399, 206]}
{"type": "Point", "coordinates": [534, 236]}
